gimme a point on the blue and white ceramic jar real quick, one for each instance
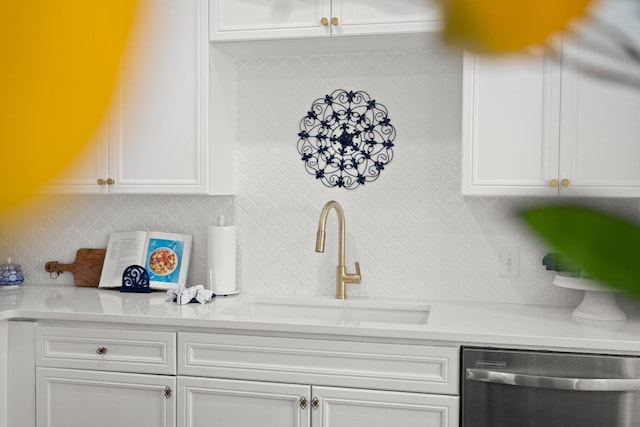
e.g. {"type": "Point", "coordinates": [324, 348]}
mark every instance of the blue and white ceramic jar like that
{"type": "Point", "coordinates": [10, 274]}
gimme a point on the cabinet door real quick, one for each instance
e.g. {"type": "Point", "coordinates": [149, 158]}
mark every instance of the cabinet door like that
{"type": "Point", "coordinates": [600, 126]}
{"type": "Point", "coordinates": [510, 126]}
{"type": "Point", "coordinates": [159, 133]}
{"type": "Point", "coordinates": [384, 16]}
{"type": "Point", "coordinates": [204, 402]}
{"type": "Point", "coordinates": [260, 19]}
{"type": "Point", "coordinates": [88, 173]}
{"type": "Point", "coordinates": [75, 398]}
{"type": "Point", "coordinates": [343, 407]}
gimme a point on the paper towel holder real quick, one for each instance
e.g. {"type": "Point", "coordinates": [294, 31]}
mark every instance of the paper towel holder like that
{"type": "Point", "coordinates": [221, 258]}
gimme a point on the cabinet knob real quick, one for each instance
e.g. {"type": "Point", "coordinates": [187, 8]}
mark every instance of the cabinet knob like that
{"type": "Point", "coordinates": [324, 21]}
{"type": "Point", "coordinates": [334, 21]}
{"type": "Point", "coordinates": [167, 392]}
{"type": "Point", "coordinates": [102, 351]}
{"type": "Point", "coordinates": [101, 181]}
{"type": "Point", "coordinates": [110, 181]}
{"type": "Point", "coordinates": [553, 183]}
{"type": "Point", "coordinates": [565, 182]}
{"type": "Point", "coordinates": [303, 402]}
{"type": "Point", "coordinates": [315, 403]}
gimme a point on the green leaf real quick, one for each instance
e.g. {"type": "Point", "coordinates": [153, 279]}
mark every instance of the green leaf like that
{"type": "Point", "coordinates": [605, 247]}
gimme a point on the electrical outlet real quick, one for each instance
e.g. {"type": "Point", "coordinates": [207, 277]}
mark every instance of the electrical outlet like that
{"type": "Point", "coordinates": [509, 261]}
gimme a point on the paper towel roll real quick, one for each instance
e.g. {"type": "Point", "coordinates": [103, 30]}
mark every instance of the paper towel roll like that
{"type": "Point", "coordinates": [221, 259]}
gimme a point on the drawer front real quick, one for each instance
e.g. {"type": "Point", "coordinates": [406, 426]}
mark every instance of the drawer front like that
{"type": "Point", "coordinates": [123, 350]}
{"type": "Point", "coordinates": [417, 368]}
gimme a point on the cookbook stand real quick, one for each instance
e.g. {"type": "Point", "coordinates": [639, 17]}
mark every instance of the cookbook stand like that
{"type": "Point", "coordinates": [135, 279]}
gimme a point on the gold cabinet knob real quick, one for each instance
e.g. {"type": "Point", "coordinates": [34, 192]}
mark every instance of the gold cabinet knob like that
{"type": "Point", "coordinates": [334, 21]}
{"type": "Point", "coordinates": [101, 181]}
{"type": "Point", "coordinates": [324, 21]}
{"type": "Point", "coordinates": [110, 181]}
{"type": "Point", "coordinates": [565, 182]}
{"type": "Point", "coordinates": [553, 183]}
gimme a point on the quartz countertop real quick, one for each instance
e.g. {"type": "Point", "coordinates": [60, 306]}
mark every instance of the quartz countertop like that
{"type": "Point", "coordinates": [449, 323]}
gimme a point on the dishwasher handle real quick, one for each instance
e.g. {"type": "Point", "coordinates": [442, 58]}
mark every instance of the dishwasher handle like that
{"type": "Point", "coordinates": [553, 383]}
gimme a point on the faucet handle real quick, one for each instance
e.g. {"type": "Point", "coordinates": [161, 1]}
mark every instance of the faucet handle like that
{"type": "Point", "coordinates": [357, 276]}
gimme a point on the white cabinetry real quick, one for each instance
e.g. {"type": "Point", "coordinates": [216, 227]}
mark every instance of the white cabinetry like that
{"type": "Point", "coordinates": [533, 127]}
{"type": "Point", "coordinates": [343, 407]}
{"type": "Point", "coordinates": [104, 376]}
{"type": "Point", "coordinates": [91, 376]}
{"type": "Point", "coordinates": [319, 382]}
{"type": "Point", "coordinates": [259, 19]}
{"type": "Point", "coordinates": [77, 398]}
{"type": "Point", "coordinates": [156, 138]}
{"type": "Point", "coordinates": [248, 403]}
{"type": "Point", "coordinates": [241, 403]}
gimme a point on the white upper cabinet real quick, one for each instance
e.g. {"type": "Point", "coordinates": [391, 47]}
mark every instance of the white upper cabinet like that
{"type": "Point", "coordinates": [156, 137]}
{"type": "Point", "coordinates": [271, 19]}
{"type": "Point", "coordinates": [535, 127]}
{"type": "Point", "coordinates": [510, 126]}
{"type": "Point", "coordinates": [159, 127]}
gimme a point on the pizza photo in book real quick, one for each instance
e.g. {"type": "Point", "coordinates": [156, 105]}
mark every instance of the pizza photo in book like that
{"type": "Point", "coordinates": [164, 255]}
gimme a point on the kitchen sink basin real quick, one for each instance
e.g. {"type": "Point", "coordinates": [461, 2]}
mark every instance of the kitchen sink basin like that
{"type": "Point", "coordinates": [348, 312]}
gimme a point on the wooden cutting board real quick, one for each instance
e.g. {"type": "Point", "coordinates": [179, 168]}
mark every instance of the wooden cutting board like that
{"type": "Point", "coordinates": [86, 268]}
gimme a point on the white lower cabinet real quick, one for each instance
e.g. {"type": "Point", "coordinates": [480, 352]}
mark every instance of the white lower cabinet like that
{"type": "Point", "coordinates": [204, 402]}
{"type": "Point", "coordinates": [104, 376]}
{"type": "Point", "coordinates": [77, 398]}
{"type": "Point", "coordinates": [107, 376]}
{"type": "Point", "coordinates": [345, 407]}
{"type": "Point", "coordinates": [247, 403]}
{"type": "Point", "coordinates": [242, 380]}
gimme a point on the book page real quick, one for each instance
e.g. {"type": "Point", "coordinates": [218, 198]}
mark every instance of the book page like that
{"type": "Point", "coordinates": [123, 250]}
{"type": "Point", "coordinates": [167, 259]}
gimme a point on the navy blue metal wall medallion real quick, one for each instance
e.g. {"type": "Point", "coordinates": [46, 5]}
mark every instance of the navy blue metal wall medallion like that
{"type": "Point", "coordinates": [346, 139]}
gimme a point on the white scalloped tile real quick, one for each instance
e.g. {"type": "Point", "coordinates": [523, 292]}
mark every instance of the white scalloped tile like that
{"type": "Point", "coordinates": [413, 233]}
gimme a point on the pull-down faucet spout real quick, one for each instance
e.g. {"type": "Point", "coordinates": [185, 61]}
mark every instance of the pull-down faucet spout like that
{"type": "Point", "coordinates": [342, 277]}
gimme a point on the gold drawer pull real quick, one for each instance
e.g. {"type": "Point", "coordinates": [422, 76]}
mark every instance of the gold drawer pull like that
{"type": "Point", "coordinates": [334, 21]}
{"type": "Point", "coordinates": [553, 183]}
{"type": "Point", "coordinates": [565, 182]}
{"type": "Point", "coordinates": [324, 21]}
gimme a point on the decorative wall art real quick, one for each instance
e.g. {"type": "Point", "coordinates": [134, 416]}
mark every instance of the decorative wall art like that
{"type": "Point", "coordinates": [346, 139]}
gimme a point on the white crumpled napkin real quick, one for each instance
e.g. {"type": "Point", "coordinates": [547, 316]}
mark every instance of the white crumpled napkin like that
{"type": "Point", "coordinates": [194, 293]}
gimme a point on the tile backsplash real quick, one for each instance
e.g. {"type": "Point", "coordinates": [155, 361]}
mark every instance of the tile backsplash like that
{"type": "Point", "coordinates": [413, 233]}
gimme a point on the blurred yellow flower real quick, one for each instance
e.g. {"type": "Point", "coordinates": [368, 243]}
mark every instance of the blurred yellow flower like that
{"type": "Point", "coordinates": [503, 26]}
{"type": "Point", "coordinates": [59, 65]}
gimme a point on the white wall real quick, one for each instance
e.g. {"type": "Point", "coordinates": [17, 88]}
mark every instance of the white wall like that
{"type": "Point", "coordinates": [411, 230]}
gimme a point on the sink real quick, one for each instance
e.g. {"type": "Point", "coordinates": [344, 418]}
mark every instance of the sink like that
{"type": "Point", "coordinates": [345, 312]}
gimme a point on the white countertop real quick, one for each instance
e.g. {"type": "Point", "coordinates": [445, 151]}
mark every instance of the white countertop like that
{"type": "Point", "coordinates": [454, 323]}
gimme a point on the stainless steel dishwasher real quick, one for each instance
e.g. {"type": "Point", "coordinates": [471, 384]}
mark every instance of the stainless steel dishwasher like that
{"type": "Point", "coordinates": [513, 388]}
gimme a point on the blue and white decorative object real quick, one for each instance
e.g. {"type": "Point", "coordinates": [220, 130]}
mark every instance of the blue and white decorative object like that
{"type": "Point", "coordinates": [135, 278]}
{"type": "Point", "coordinates": [346, 139]}
{"type": "Point", "coordinates": [10, 274]}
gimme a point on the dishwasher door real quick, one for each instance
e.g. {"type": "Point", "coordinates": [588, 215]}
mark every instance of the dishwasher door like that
{"type": "Point", "coordinates": [509, 388]}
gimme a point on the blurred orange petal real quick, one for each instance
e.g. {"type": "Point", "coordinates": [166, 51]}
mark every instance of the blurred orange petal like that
{"type": "Point", "coordinates": [60, 62]}
{"type": "Point", "coordinates": [503, 26]}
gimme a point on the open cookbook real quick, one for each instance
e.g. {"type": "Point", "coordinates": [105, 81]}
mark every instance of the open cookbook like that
{"type": "Point", "coordinates": [165, 256]}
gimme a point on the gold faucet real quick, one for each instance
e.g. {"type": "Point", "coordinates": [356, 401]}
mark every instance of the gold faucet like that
{"type": "Point", "coordinates": [342, 277]}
